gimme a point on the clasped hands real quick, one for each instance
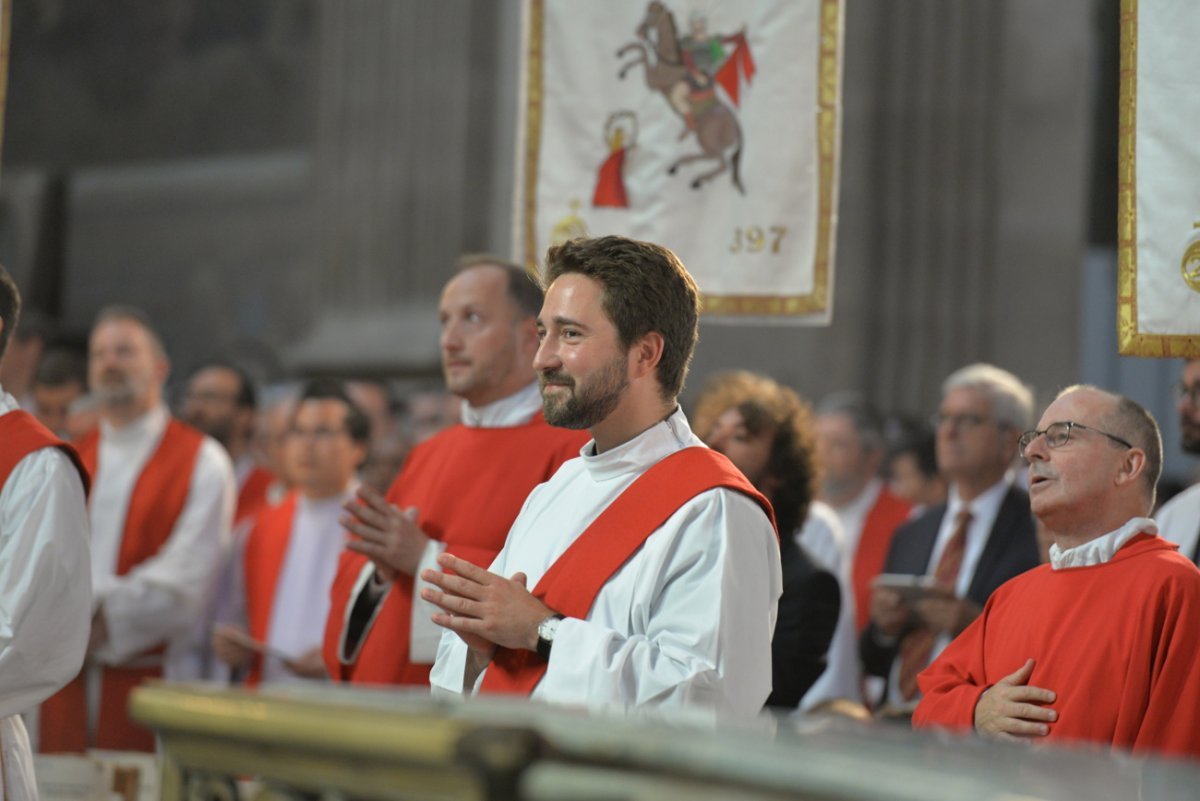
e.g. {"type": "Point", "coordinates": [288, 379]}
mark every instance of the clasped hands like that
{"type": "Point", "coordinates": [484, 609]}
{"type": "Point", "coordinates": [387, 535]}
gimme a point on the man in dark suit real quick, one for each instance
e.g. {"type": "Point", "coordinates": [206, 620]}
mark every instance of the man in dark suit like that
{"type": "Point", "coordinates": [983, 536]}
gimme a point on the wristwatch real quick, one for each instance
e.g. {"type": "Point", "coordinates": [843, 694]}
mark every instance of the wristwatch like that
{"type": "Point", "coordinates": [546, 631]}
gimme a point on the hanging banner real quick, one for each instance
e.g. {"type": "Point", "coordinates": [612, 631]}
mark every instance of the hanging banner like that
{"type": "Point", "coordinates": [1158, 281]}
{"type": "Point", "coordinates": [710, 128]}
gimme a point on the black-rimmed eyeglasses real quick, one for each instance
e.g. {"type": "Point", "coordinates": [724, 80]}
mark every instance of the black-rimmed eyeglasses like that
{"type": "Point", "coordinates": [1059, 434]}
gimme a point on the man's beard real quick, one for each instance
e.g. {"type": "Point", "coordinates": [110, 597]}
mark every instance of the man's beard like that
{"type": "Point", "coordinates": [586, 404]}
{"type": "Point", "coordinates": [116, 389]}
{"type": "Point", "coordinates": [1189, 438]}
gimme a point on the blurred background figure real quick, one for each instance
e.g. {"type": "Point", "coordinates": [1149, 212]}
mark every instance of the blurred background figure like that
{"type": "Point", "coordinates": [59, 381]}
{"type": "Point", "coordinates": [25, 349]}
{"type": "Point", "coordinates": [430, 410]}
{"type": "Point", "coordinates": [160, 510]}
{"type": "Point", "coordinates": [850, 447]}
{"type": "Point", "coordinates": [766, 431]}
{"type": "Point", "coordinates": [388, 446]}
{"type": "Point", "coordinates": [271, 439]}
{"type": "Point", "coordinates": [220, 399]}
{"type": "Point", "coordinates": [912, 470]}
{"type": "Point", "coordinates": [1179, 518]}
{"type": "Point", "coordinates": [281, 597]}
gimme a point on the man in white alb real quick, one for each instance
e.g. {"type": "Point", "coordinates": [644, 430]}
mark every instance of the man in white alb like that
{"type": "Point", "coordinates": [161, 506]}
{"type": "Point", "coordinates": [45, 579]}
{"type": "Point", "coordinates": [653, 563]}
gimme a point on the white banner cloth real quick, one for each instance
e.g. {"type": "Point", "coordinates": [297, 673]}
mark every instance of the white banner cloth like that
{"type": "Point", "coordinates": [709, 128]}
{"type": "Point", "coordinates": [1158, 297]}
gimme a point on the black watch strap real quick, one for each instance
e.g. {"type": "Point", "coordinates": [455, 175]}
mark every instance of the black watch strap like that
{"type": "Point", "coordinates": [544, 643]}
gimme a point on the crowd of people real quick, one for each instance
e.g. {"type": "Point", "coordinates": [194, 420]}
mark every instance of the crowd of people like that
{"type": "Point", "coordinates": [563, 530]}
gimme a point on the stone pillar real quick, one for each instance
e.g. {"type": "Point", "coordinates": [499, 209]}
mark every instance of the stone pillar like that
{"type": "Point", "coordinates": [402, 183]}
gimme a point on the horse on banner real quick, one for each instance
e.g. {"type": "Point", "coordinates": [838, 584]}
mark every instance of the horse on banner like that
{"type": "Point", "coordinates": [686, 74]}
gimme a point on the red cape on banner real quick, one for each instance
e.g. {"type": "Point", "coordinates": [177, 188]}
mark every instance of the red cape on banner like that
{"type": "Point", "coordinates": [738, 67]}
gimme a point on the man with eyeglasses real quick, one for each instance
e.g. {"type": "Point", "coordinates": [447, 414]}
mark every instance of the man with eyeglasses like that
{"type": "Point", "coordinates": [962, 550]}
{"type": "Point", "coordinates": [1179, 518]}
{"type": "Point", "coordinates": [220, 400]}
{"type": "Point", "coordinates": [290, 557]}
{"type": "Point", "coordinates": [1100, 645]}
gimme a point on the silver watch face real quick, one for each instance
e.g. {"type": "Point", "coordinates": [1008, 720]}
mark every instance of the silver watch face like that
{"type": "Point", "coordinates": [548, 627]}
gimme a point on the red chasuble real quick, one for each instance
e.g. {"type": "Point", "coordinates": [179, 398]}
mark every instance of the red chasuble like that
{"type": "Point", "coordinates": [869, 556]}
{"type": "Point", "coordinates": [252, 497]}
{"type": "Point", "coordinates": [158, 498]}
{"type": "Point", "coordinates": [468, 485]}
{"type": "Point", "coordinates": [570, 586]}
{"type": "Point", "coordinates": [1117, 642]}
{"type": "Point", "coordinates": [266, 548]}
{"type": "Point", "coordinates": [21, 434]}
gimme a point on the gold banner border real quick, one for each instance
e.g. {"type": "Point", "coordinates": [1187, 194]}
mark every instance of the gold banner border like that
{"type": "Point", "coordinates": [1131, 341]}
{"type": "Point", "coordinates": [829, 90]}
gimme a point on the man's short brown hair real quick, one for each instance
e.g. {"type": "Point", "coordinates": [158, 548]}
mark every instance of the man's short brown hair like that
{"type": "Point", "coordinates": [523, 289]}
{"type": "Point", "coordinates": [646, 288]}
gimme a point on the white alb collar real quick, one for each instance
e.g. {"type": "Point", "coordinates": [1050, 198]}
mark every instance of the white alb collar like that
{"type": "Point", "coordinates": [643, 451]}
{"type": "Point", "coordinates": [515, 410]}
{"type": "Point", "coordinates": [1101, 549]}
{"type": "Point", "coordinates": [152, 423]}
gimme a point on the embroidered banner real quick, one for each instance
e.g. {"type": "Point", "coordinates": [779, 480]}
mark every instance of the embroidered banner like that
{"type": "Point", "coordinates": [1158, 275]}
{"type": "Point", "coordinates": [710, 128]}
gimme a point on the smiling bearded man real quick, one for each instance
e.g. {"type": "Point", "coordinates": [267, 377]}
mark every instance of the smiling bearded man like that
{"type": "Point", "coordinates": [653, 562]}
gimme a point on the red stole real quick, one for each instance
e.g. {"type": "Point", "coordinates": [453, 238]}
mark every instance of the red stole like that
{"type": "Point", "coordinates": [881, 523]}
{"type": "Point", "coordinates": [21, 434]}
{"type": "Point", "coordinates": [469, 485]}
{"type": "Point", "coordinates": [252, 497]}
{"type": "Point", "coordinates": [571, 584]}
{"type": "Point", "coordinates": [266, 548]}
{"type": "Point", "coordinates": [158, 498]}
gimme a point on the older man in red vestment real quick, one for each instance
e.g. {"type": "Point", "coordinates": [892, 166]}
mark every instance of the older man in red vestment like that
{"type": "Point", "coordinates": [1100, 645]}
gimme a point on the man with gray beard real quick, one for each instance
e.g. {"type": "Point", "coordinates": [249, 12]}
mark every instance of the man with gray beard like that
{"type": "Point", "coordinates": [161, 507]}
{"type": "Point", "coordinates": [1179, 518]}
{"type": "Point", "coordinates": [653, 563]}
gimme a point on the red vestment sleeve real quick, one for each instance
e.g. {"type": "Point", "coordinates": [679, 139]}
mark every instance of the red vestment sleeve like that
{"type": "Point", "coordinates": [951, 686]}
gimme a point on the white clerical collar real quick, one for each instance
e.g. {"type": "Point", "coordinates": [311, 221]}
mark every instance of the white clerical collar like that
{"type": "Point", "coordinates": [638, 454]}
{"type": "Point", "coordinates": [7, 402]}
{"type": "Point", "coordinates": [515, 410]}
{"type": "Point", "coordinates": [1101, 549]}
{"type": "Point", "coordinates": [984, 506]}
{"type": "Point", "coordinates": [151, 423]}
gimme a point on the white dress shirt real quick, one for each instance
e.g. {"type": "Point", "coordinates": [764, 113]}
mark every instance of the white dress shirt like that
{"type": "Point", "coordinates": [1179, 520]}
{"type": "Point", "coordinates": [685, 622]}
{"type": "Point", "coordinates": [45, 596]}
{"type": "Point", "coordinates": [301, 603]}
{"type": "Point", "coordinates": [823, 539]}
